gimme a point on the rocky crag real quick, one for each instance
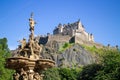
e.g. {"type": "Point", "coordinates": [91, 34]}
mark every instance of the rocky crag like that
{"type": "Point", "coordinates": [74, 55]}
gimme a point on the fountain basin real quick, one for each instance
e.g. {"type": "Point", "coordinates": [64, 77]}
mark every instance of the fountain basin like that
{"type": "Point", "coordinates": [16, 62]}
{"type": "Point", "coordinates": [44, 64]}
{"type": "Point", "coordinates": [28, 64]}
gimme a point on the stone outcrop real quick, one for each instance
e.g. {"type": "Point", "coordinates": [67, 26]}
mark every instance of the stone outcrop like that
{"type": "Point", "coordinates": [73, 56]}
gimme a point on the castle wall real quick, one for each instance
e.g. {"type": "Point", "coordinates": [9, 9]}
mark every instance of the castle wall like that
{"type": "Point", "coordinates": [59, 38]}
{"type": "Point", "coordinates": [82, 36]}
{"type": "Point", "coordinates": [88, 43]}
{"type": "Point", "coordinates": [66, 38]}
{"type": "Point", "coordinates": [43, 40]}
{"type": "Point", "coordinates": [78, 40]}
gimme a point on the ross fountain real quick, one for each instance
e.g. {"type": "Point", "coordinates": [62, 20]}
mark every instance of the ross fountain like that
{"type": "Point", "coordinates": [27, 62]}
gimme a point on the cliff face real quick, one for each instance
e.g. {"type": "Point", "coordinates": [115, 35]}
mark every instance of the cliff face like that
{"type": "Point", "coordinates": [72, 56]}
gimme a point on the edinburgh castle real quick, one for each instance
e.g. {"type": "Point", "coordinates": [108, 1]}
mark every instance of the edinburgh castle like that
{"type": "Point", "coordinates": [70, 33]}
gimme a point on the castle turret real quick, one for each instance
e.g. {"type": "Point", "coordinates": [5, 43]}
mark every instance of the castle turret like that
{"type": "Point", "coordinates": [92, 38]}
{"type": "Point", "coordinates": [88, 37]}
{"type": "Point", "coordinates": [80, 26]}
{"type": "Point", "coordinates": [58, 29]}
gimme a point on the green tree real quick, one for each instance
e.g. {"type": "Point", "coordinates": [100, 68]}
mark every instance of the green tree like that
{"type": "Point", "coordinates": [61, 74]}
{"type": "Point", "coordinates": [89, 72]}
{"type": "Point", "coordinates": [68, 73]}
{"type": "Point", "coordinates": [51, 74]}
{"type": "Point", "coordinates": [111, 66]}
{"type": "Point", "coordinates": [107, 69]}
{"type": "Point", "coordinates": [5, 74]}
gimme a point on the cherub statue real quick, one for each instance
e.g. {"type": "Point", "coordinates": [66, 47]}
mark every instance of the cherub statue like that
{"type": "Point", "coordinates": [23, 43]}
{"type": "Point", "coordinates": [37, 46]}
{"type": "Point", "coordinates": [36, 76]}
{"type": "Point", "coordinates": [30, 76]}
{"type": "Point", "coordinates": [16, 76]}
{"type": "Point", "coordinates": [25, 76]}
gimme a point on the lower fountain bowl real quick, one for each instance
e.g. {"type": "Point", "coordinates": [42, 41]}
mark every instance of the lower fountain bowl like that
{"type": "Point", "coordinates": [16, 62]}
{"type": "Point", "coordinates": [44, 64]}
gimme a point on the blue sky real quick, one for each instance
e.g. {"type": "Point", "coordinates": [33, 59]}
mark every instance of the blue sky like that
{"type": "Point", "coordinates": [100, 17]}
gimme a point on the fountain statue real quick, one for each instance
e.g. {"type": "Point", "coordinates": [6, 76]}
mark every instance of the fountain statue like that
{"type": "Point", "coordinates": [28, 63]}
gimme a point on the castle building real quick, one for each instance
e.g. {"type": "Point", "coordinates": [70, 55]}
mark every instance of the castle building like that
{"type": "Point", "coordinates": [74, 29]}
{"type": "Point", "coordinates": [70, 33]}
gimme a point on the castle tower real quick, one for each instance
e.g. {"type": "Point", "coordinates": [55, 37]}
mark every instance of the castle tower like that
{"type": "Point", "coordinates": [60, 28]}
{"type": "Point", "coordinates": [80, 26]}
{"type": "Point", "coordinates": [91, 37]}
{"type": "Point", "coordinates": [73, 32]}
{"type": "Point", "coordinates": [88, 37]}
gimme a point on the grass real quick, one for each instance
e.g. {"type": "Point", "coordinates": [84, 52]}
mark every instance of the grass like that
{"type": "Point", "coordinates": [65, 46]}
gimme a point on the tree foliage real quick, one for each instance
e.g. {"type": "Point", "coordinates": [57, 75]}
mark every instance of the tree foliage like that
{"type": "Point", "coordinates": [61, 74]}
{"type": "Point", "coordinates": [51, 74]}
{"type": "Point", "coordinates": [5, 74]}
{"type": "Point", "coordinates": [111, 66]}
{"type": "Point", "coordinates": [68, 74]}
{"type": "Point", "coordinates": [89, 72]}
{"type": "Point", "coordinates": [108, 69]}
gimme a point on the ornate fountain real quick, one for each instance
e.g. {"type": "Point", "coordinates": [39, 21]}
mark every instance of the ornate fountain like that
{"type": "Point", "coordinates": [27, 62]}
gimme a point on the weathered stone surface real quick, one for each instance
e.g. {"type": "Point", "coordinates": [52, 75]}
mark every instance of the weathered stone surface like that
{"type": "Point", "coordinates": [73, 56]}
